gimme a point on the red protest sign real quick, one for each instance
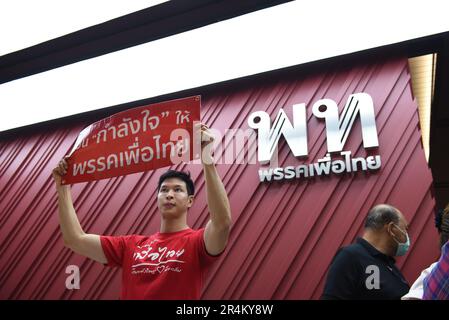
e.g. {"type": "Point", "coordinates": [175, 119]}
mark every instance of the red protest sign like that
{"type": "Point", "coordinates": [135, 140]}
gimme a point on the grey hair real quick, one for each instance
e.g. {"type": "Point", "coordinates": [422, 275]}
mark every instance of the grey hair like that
{"type": "Point", "coordinates": [381, 215]}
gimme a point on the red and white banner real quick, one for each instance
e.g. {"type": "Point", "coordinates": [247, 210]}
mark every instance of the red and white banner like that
{"type": "Point", "coordinates": [135, 140]}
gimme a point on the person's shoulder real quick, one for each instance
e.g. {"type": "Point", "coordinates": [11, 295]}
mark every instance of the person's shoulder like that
{"type": "Point", "coordinates": [194, 232]}
{"type": "Point", "coordinates": [353, 248]}
{"type": "Point", "coordinates": [351, 251]}
{"type": "Point", "coordinates": [183, 234]}
{"type": "Point", "coordinates": [137, 238]}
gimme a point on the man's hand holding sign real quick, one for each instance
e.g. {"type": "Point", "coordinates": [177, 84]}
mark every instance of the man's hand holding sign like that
{"type": "Point", "coordinates": [135, 140]}
{"type": "Point", "coordinates": [94, 158]}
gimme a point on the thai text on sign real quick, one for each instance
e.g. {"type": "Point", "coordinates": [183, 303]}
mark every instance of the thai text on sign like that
{"type": "Point", "coordinates": [135, 140]}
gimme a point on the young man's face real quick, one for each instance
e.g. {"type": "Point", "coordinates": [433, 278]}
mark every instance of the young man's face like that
{"type": "Point", "coordinates": [173, 199]}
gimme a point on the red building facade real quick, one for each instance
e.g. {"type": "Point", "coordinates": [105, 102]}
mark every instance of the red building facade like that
{"type": "Point", "coordinates": [285, 233]}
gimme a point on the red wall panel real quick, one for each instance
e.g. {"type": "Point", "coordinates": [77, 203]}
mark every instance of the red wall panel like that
{"type": "Point", "coordinates": [284, 234]}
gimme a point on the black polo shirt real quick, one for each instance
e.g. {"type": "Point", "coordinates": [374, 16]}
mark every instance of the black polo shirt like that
{"type": "Point", "coordinates": [360, 271]}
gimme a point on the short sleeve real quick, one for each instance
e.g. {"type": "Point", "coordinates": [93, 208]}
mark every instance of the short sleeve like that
{"type": "Point", "coordinates": [114, 250]}
{"type": "Point", "coordinates": [206, 259]}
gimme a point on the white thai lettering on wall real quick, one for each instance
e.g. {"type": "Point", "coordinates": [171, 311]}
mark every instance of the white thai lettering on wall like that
{"type": "Point", "coordinates": [337, 127]}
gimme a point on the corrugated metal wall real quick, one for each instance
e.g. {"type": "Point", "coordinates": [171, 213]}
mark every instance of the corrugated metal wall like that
{"type": "Point", "coordinates": [284, 234]}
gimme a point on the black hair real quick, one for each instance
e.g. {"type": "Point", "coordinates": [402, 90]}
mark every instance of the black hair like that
{"type": "Point", "coordinates": [381, 215]}
{"type": "Point", "coordinates": [184, 176]}
{"type": "Point", "coordinates": [442, 224]}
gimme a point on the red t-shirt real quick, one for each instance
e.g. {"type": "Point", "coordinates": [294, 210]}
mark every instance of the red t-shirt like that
{"type": "Point", "coordinates": [161, 266]}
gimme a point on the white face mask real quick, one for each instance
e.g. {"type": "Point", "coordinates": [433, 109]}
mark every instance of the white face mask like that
{"type": "Point", "coordinates": [402, 246]}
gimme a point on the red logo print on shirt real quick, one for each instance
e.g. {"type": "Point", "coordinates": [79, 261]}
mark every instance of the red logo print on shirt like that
{"type": "Point", "coordinates": [150, 258]}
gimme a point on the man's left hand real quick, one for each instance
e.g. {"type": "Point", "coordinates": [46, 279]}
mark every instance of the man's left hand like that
{"type": "Point", "coordinates": [207, 139]}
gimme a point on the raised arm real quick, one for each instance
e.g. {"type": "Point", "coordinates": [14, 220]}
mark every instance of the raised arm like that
{"type": "Point", "coordinates": [75, 238]}
{"type": "Point", "coordinates": [218, 228]}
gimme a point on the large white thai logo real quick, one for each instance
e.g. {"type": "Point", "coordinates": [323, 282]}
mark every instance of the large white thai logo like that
{"type": "Point", "coordinates": [338, 129]}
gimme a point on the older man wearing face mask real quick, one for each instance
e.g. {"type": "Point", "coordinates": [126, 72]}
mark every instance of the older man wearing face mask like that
{"type": "Point", "coordinates": [366, 270]}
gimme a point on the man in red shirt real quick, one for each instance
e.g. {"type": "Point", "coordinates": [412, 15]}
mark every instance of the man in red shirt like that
{"type": "Point", "coordinates": [171, 263]}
